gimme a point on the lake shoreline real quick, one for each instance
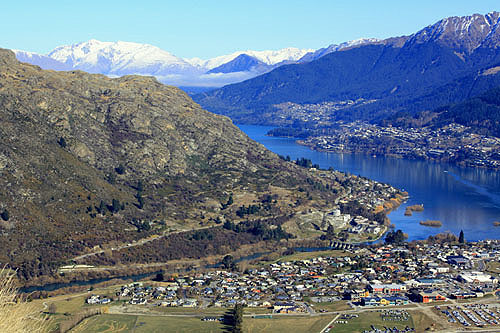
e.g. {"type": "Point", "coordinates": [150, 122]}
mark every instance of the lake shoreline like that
{"type": "Point", "coordinates": [470, 201]}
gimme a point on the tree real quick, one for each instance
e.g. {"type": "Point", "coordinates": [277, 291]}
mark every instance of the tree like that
{"type": "Point", "coordinates": [330, 233]}
{"type": "Point", "coordinates": [111, 178]}
{"type": "Point", "coordinates": [461, 238]}
{"type": "Point", "coordinates": [5, 215]}
{"type": "Point", "coordinates": [140, 202]}
{"type": "Point", "coordinates": [140, 186]}
{"type": "Point", "coordinates": [395, 237]}
{"type": "Point", "coordinates": [343, 235]}
{"type": "Point", "coordinates": [120, 169]}
{"type": "Point", "coordinates": [159, 277]}
{"type": "Point", "coordinates": [101, 208]}
{"type": "Point", "coordinates": [237, 318]}
{"type": "Point", "coordinates": [115, 206]}
{"type": "Point", "coordinates": [62, 142]}
{"type": "Point", "coordinates": [228, 262]}
{"type": "Point", "coordinates": [228, 203]}
{"type": "Point", "coordinates": [140, 199]}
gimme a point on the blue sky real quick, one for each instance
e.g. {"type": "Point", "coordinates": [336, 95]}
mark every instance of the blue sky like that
{"type": "Point", "coordinates": [205, 29]}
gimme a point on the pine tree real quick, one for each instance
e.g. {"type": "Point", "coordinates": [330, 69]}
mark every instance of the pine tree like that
{"type": "Point", "coordinates": [237, 318]}
{"type": "Point", "coordinates": [115, 206]}
{"type": "Point", "coordinates": [461, 238]}
{"type": "Point", "coordinates": [62, 142]}
{"type": "Point", "coordinates": [5, 215]}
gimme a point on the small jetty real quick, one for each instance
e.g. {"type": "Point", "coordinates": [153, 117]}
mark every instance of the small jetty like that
{"type": "Point", "coordinates": [432, 223]}
{"type": "Point", "coordinates": [415, 208]}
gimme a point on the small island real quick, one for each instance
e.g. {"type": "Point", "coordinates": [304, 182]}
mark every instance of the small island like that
{"type": "Point", "coordinates": [496, 224]}
{"type": "Point", "coordinates": [431, 223]}
{"type": "Point", "coordinates": [415, 208]}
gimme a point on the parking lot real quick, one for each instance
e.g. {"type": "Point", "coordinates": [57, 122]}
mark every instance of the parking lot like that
{"type": "Point", "coordinates": [478, 315]}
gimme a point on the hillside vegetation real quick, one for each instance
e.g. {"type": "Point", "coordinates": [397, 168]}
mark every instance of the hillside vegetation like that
{"type": "Point", "coordinates": [89, 162]}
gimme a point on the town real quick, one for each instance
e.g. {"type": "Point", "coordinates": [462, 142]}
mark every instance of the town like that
{"type": "Point", "coordinates": [363, 277]}
{"type": "Point", "coordinates": [316, 127]}
{"type": "Point", "coordinates": [451, 143]}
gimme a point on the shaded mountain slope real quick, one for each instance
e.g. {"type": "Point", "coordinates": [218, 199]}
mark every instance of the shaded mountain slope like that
{"type": "Point", "coordinates": [481, 114]}
{"type": "Point", "coordinates": [399, 74]}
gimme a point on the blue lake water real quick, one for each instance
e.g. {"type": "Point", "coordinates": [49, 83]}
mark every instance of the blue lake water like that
{"type": "Point", "coordinates": [465, 199]}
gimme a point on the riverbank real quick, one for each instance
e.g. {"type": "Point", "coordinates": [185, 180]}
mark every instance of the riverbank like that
{"type": "Point", "coordinates": [92, 277]}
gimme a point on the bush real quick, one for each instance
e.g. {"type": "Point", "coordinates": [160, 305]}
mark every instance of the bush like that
{"type": "Point", "coordinates": [5, 215]}
{"type": "Point", "coordinates": [120, 169]}
{"type": "Point", "coordinates": [62, 142]}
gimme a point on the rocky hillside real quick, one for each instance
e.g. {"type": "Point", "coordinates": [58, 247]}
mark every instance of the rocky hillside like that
{"type": "Point", "coordinates": [88, 161]}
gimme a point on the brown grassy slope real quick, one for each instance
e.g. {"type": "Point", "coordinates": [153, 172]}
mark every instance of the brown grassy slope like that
{"type": "Point", "coordinates": [187, 159]}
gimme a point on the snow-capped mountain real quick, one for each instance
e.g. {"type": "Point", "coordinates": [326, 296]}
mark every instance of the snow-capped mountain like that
{"type": "Point", "coordinates": [337, 47]}
{"type": "Point", "coordinates": [291, 54]}
{"type": "Point", "coordinates": [43, 61]}
{"type": "Point", "coordinates": [463, 34]}
{"type": "Point", "coordinates": [122, 58]}
{"type": "Point", "coordinates": [441, 64]}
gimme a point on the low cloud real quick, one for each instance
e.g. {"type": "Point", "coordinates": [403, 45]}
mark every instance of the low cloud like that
{"type": "Point", "coordinates": [206, 80]}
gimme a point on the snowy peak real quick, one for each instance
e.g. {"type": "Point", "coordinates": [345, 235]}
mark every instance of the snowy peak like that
{"type": "Point", "coordinates": [290, 54]}
{"type": "Point", "coordinates": [119, 58]}
{"type": "Point", "coordinates": [275, 57]}
{"type": "Point", "coordinates": [40, 60]}
{"type": "Point", "coordinates": [123, 58]}
{"type": "Point", "coordinates": [463, 34]}
{"type": "Point", "coordinates": [337, 47]}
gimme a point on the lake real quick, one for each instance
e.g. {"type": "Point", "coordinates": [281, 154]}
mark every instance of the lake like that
{"type": "Point", "coordinates": [461, 198]}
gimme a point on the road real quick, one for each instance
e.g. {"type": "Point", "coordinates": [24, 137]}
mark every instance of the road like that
{"type": "Point", "coordinates": [136, 243]}
{"type": "Point", "coordinates": [330, 323]}
{"type": "Point", "coordinates": [426, 308]}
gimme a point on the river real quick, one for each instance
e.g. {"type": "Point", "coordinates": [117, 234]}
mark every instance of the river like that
{"type": "Point", "coordinates": [461, 198]}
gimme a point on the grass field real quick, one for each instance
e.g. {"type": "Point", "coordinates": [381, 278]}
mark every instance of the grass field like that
{"type": "Point", "coordinates": [285, 324]}
{"type": "Point", "coordinates": [146, 324]}
{"type": "Point", "coordinates": [180, 310]}
{"type": "Point", "coordinates": [67, 305]}
{"type": "Point", "coordinates": [331, 306]}
{"type": "Point", "coordinates": [107, 323]}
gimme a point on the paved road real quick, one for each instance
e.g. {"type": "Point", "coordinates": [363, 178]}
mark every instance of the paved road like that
{"type": "Point", "coordinates": [330, 323]}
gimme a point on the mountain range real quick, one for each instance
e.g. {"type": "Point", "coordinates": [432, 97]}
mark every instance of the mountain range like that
{"type": "Point", "coordinates": [444, 63]}
{"type": "Point", "coordinates": [125, 58]}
